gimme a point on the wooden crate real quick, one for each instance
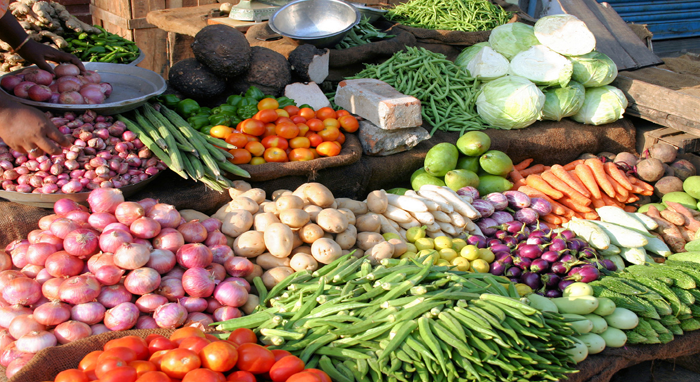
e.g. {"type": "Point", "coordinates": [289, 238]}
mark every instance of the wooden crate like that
{"type": "Point", "coordinates": [686, 143]}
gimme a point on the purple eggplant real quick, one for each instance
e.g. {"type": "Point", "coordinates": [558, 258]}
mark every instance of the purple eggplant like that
{"type": "Point", "coordinates": [558, 244]}
{"type": "Point", "coordinates": [487, 226]}
{"type": "Point", "coordinates": [499, 201]}
{"type": "Point", "coordinates": [501, 255]}
{"type": "Point", "coordinates": [492, 242]}
{"type": "Point", "coordinates": [510, 241]}
{"type": "Point", "coordinates": [567, 234]}
{"type": "Point", "coordinates": [565, 283]}
{"type": "Point", "coordinates": [514, 272]}
{"type": "Point", "coordinates": [584, 274]}
{"type": "Point", "coordinates": [608, 264]}
{"type": "Point", "coordinates": [484, 208]}
{"type": "Point", "coordinates": [526, 231]}
{"type": "Point", "coordinates": [520, 237]}
{"type": "Point", "coordinates": [502, 217]}
{"type": "Point", "coordinates": [517, 199]}
{"type": "Point", "coordinates": [469, 191]}
{"type": "Point", "coordinates": [552, 293]}
{"type": "Point", "coordinates": [529, 251]}
{"type": "Point", "coordinates": [526, 215]}
{"type": "Point", "coordinates": [497, 268]}
{"type": "Point", "coordinates": [522, 262]}
{"type": "Point", "coordinates": [477, 240]}
{"type": "Point", "coordinates": [576, 244]}
{"type": "Point", "coordinates": [588, 252]}
{"type": "Point", "coordinates": [541, 206]}
{"type": "Point", "coordinates": [539, 266]}
{"type": "Point", "coordinates": [500, 234]}
{"type": "Point", "coordinates": [550, 256]}
{"type": "Point", "coordinates": [532, 280]}
{"type": "Point", "coordinates": [507, 259]}
{"type": "Point", "coordinates": [567, 258]}
{"type": "Point", "coordinates": [499, 247]}
{"type": "Point", "coordinates": [551, 280]}
{"type": "Point", "coordinates": [559, 268]}
{"type": "Point", "coordinates": [514, 280]}
{"type": "Point", "coordinates": [512, 226]}
{"type": "Point", "coordinates": [535, 240]}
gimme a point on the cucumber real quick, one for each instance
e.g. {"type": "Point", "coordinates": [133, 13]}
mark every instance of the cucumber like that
{"type": "Point", "coordinates": [579, 352]}
{"type": "Point", "coordinates": [590, 232]}
{"type": "Point", "coordinates": [658, 247]}
{"type": "Point", "coordinates": [622, 318]}
{"type": "Point", "coordinates": [634, 255]}
{"type": "Point", "coordinates": [606, 307]}
{"type": "Point", "coordinates": [611, 250]}
{"type": "Point", "coordinates": [582, 325]}
{"type": "Point", "coordinates": [621, 236]}
{"type": "Point", "coordinates": [599, 323]}
{"type": "Point", "coordinates": [620, 217]}
{"type": "Point", "coordinates": [647, 221]}
{"type": "Point", "coordinates": [686, 256]}
{"type": "Point", "coordinates": [541, 303]}
{"type": "Point", "coordinates": [576, 305]}
{"type": "Point", "coordinates": [693, 246]}
{"type": "Point", "coordinates": [593, 342]}
{"type": "Point", "coordinates": [614, 338]}
{"type": "Point", "coordinates": [578, 289]}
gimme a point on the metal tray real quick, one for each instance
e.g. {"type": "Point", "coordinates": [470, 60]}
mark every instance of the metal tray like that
{"type": "Point", "coordinates": [48, 200]}
{"type": "Point", "coordinates": [132, 87]}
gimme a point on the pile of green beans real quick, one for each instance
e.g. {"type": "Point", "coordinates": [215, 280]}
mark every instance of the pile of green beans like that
{"type": "Point", "coordinates": [361, 34]}
{"type": "Point", "coordinates": [447, 93]}
{"type": "Point", "coordinates": [408, 320]}
{"type": "Point", "coordinates": [456, 15]}
{"type": "Point", "coordinates": [104, 47]}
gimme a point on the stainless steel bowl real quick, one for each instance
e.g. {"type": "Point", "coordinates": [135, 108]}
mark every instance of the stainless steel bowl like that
{"type": "Point", "coordinates": [373, 14]}
{"type": "Point", "coordinates": [323, 23]}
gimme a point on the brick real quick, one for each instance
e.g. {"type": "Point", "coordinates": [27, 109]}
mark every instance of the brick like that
{"type": "Point", "coordinates": [379, 142]}
{"type": "Point", "coordinates": [309, 94]}
{"type": "Point", "coordinates": [379, 103]}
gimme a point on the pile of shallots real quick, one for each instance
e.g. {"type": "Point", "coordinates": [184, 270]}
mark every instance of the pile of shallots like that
{"type": "Point", "coordinates": [67, 86]}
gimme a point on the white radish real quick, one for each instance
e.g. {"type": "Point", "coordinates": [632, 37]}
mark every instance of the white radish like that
{"type": "Point", "coordinates": [406, 203]}
{"type": "Point", "coordinates": [457, 203]}
{"type": "Point", "coordinates": [424, 217]}
{"type": "Point", "coordinates": [411, 224]}
{"type": "Point", "coordinates": [449, 229]}
{"type": "Point", "coordinates": [397, 214]}
{"type": "Point", "coordinates": [432, 227]}
{"type": "Point", "coordinates": [387, 227]}
{"type": "Point", "coordinates": [435, 234]}
{"type": "Point", "coordinates": [445, 206]}
{"type": "Point", "coordinates": [442, 217]}
{"type": "Point", "coordinates": [458, 220]}
{"type": "Point", "coordinates": [432, 206]}
{"type": "Point", "coordinates": [402, 233]}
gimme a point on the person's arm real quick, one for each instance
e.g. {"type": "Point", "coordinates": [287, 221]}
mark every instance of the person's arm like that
{"type": "Point", "coordinates": [27, 129]}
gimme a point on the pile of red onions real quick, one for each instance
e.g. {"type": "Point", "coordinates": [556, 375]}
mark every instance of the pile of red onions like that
{"type": "Point", "coordinates": [117, 266]}
{"type": "Point", "coordinates": [68, 86]}
{"type": "Point", "coordinates": [103, 154]}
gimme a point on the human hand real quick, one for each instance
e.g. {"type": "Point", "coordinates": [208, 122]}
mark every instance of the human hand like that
{"type": "Point", "coordinates": [37, 53]}
{"type": "Point", "coordinates": [28, 130]}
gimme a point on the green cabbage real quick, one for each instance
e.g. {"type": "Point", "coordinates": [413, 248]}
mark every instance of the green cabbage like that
{"type": "Point", "coordinates": [482, 62]}
{"type": "Point", "coordinates": [593, 69]}
{"type": "Point", "coordinates": [511, 39]}
{"type": "Point", "coordinates": [510, 102]}
{"type": "Point", "coordinates": [542, 66]}
{"type": "Point", "coordinates": [601, 105]}
{"type": "Point", "coordinates": [565, 34]}
{"type": "Point", "coordinates": [563, 102]}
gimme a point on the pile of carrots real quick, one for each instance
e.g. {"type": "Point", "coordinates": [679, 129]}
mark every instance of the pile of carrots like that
{"type": "Point", "coordinates": [576, 189]}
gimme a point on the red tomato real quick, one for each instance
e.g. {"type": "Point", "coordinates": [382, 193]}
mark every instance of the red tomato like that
{"type": "Point", "coordinates": [237, 139]}
{"type": "Point", "coordinates": [325, 112]}
{"type": "Point", "coordinates": [304, 377]}
{"type": "Point", "coordinates": [279, 354]}
{"type": "Point", "coordinates": [210, 337]}
{"type": "Point", "coordinates": [268, 103]}
{"type": "Point", "coordinates": [291, 110]}
{"type": "Point", "coordinates": [301, 154]}
{"type": "Point", "coordinates": [269, 129]}
{"type": "Point", "coordinates": [275, 141]}
{"type": "Point", "coordinates": [219, 356]}
{"type": "Point", "coordinates": [255, 358]}
{"type": "Point", "coordinates": [157, 357]}
{"type": "Point", "coordinates": [105, 366]}
{"type": "Point", "coordinates": [303, 129]}
{"type": "Point", "coordinates": [341, 113]}
{"type": "Point", "coordinates": [275, 154]}
{"type": "Point", "coordinates": [241, 376]}
{"type": "Point", "coordinates": [143, 367]}
{"type": "Point", "coordinates": [315, 124]}
{"type": "Point", "coordinates": [242, 336]}
{"type": "Point", "coordinates": [314, 138]}
{"type": "Point", "coordinates": [330, 133]}
{"type": "Point", "coordinates": [300, 142]}
{"type": "Point", "coordinates": [331, 122]}
{"type": "Point", "coordinates": [298, 119]}
{"type": "Point", "coordinates": [120, 374]}
{"type": "Point", "coordinates": [89, 361]}
{"type": "Point", "coordinates": [196, 344]}
{"type": "Point", "coordinates": [161, 343]}
{"type": "Point", "coordinates": [120, 352]}
{"type": "Point", "coordinates": [282, 113]}
{"type": "Point", "coordinates": [256, 148]}
{"type": "Point", "coordinates": [266, 115]}
{"type": "Point", "coordinates": [319, 373]}
{"type": "Point", "coordinates": [151, 337]}
{"type": "Point", "coordinates": [285, 368]}
{"type": "Point", "coordinates": [257, 160]}
{"type": "Point", "coordinates": [307, 113]}
{"type": "Point", "coordinates": [349, 123]}
{"type": "Point", "coordinates": [71, 375]}
{"type": "Point", "coordinates": [287, 130]}
{"type": "Point", "coordinates": [240, 156]}
{"type": "Point", "coordinates": [137, 344]}
{"type": "Point", "coordinates": [154, 376]}
{"type": "Point", "coordinates": [341, 138]}
{"type": "Point", "coordinates": [328, 149]}
{"type": "Point", "coordinates": [253, 127]}
{"type": "Point", "coordinates": [177, 363]}
{"type": "Point", "coordinates": [204, 375]}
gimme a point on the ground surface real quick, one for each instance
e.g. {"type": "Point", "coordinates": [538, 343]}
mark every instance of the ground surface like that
{"type": "Point", "coordinates": [658, 371]}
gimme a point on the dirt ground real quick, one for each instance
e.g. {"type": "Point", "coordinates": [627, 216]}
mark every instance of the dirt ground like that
{"type": "Point", "coordinates": [657, 371]}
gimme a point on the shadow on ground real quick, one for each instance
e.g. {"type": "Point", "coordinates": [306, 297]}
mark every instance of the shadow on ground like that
{"type": "Point", "coordinates": [657, 371]}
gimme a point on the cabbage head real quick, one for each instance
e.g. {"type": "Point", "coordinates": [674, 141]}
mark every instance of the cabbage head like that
{"type": "Point", "coordinates": [542, 66]}
{"type": "Point", "coordinates": [601, 105]}
{"type": "Point", "coordinates": [565, 34]}
{"type": "Point", "coordinates": [511, 39]}
{"type": "Point", "coordinates": [563, 102]}
{"type": "Point", "coordinates": [482, 62]}
{"type": "Point", "coordinates": [510, 102]}
{"type": "Point", "coordinates": [594, 69]}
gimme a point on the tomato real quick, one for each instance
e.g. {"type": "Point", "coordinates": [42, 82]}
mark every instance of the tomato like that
{"type": "Point", "coordinates": [313, 151]}
{"type": "Point", "coordinates": [254, 358]}
{"type": "Point", "coordinates": [291, 110]}
{"type": "Point", "coordinates": [298, 119]}
{"type": "Point", "coordinates": [303, 129]}
{"type": "Point", "coordinates": [319, 373]}
{"type": "Point", "coordinates": [106, 365]}
{"type": "Point", "coordinates": [325, 112]}
{"type": "Point", "coordinates": [137, 344]}
{"type": "Point", "coordinates": [240, 156]}
{"type": "Point", "coordinates": [241, 376]}
{"type": "Point", "coordinates": [275, 141]}
{"type": "Point", "coordinates": [315, 124]}
{"type": "Point", "coordinates": [152, 337]}
{"type": "Point", "coordinates": [300, 142]}
{"type": "Point", "coordinates": [301, 154]}
{"type": "Point", "coordinates": [89, 361]}
{"type": "Point", "coordinates": [220, 131]}
{"type": "Point", "coordinates": [178, 362]}
{"type": "Point", "coordinates": [257, 160]}
{"type": "Point", "coordinates": [285, 368]}
{"type": "Point", "coordinates": [330, 133]}
{"type": "Point", "coordinates": [157, 357]}
{"type": "Point", "coordinates": [256, 148]}
{"type": "Point", "coordinates": [279, 354]}
{"type": "Point", "coordinates": [161, 343]}
{"type": "Point", "coordinates": [341, 113]}
{"type": "Point", "coordinates": [143, 367]}
{"type": "Point", "coordinates": [120, 374]}
{"type": "Point", "coordinates": [266, 115]}
{"type": "Point", "coordinates": [304, 377]}
{"type": "Point", "coordinates": [314, 138]}
{"type": "Point", "coordinates": [328, 149]}
{"type": "Point", "coordinates": [282, 113]}
{"type": "Point", "coordinates": [331, 122]}
{"type": "Point", "coordinates": [204, 375]}
{"type": "Point", "coordinates": [268, 103]}
{"type": "Point", "coordinates": [341, 138]}
{"type": "Point", "coordinates": [252, 138]}
{"type": "Point", "coordinates": [196, 344]}
{"type": "Point", "coordinates": [307, 113]}
{"type": "Point", "coordinates": [275, 154]}
{"type": "Point", "coordinates": [253, 127]}
{"type": "Point", "coordinates": [349, 123]}
{"type": "Point", "coordinates": [237, 139]}
{"type": "Point", "coordinates": [269, 129]}
{"type": "Point", "coordinates": [287, 130]}
{"type": "Point", "coordinates": [71, 375]}
{"type": "Point", "coordinates": [154, 376]}
{"type": "Point", "coordinates": [243, 336]}
{"type": "Point", "coordinates": [120, 352]}
{"type": "Point", "coordinates": [219, 356]}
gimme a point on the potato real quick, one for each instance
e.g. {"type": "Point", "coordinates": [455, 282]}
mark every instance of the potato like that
{"type": "Point", "coordinates": [270, 207]}
{"type": "Point", "coordinates": [189, 215]}
{"type": "Point", "coordinates": [367, 240]}
{"type": "Point", "coordinates": [332, 221]}
{"type": "Point", "coordinates": [310, 233]}
{"type": "Point", "coordinates": [263, 220]}
{"type": "Point", "coordinates": [239, 187]}
{"type": "Point", "coordinates": [318, 194]}
{"type": "Point", "coordinates": [257, 272]}
{"type": "Point", "coordinates": [229, 240]}
{"type": "Point", "coordinates": [383, 250]}
{"type": "Point", "coordinates": [334, 205]}
{"type": "Point", "coordinates": [357, 207]}
{"type": "Point", "coordinates": [295, 218]}
{"type": "Point", "coordinates": [400, 247]}
{"type": "Point", "coordinates": [347, 238]}
{"type": "Point", "coordinates": [276, 194]}
{"type": "Point", "coordinates": [301, 249]}
{"type": "Point", "coordinates": [377, 201]}
{"type": "Point", "coordinates": [325, 250]}
{"type": "Point", "coordinates": [296, 240]}
{"type": "Point", "coordinates": [288, 202]}
{"type": "Point", "coordinates": [251, 304]}
{"type": "Point", "coordinates": [279, 240]}
{"type": "Point", "coordinates": [267, 261]}
{"type": "Point", "coordinates": [303, 262]}
{"type": "Point", "coordinates": [236, 222]}
{"type": "Point", "coordinates": [274, 276]}
{"type": "Point", "coordinates": [348, 214]}
{"type": "Point", "coordinates": [244, 203]}
{"type": "Point", "coordinates": [222, 211]}
{"type": "Point", "coordinates": [313, 211]}
{"type": "Point", "coordinates": [368, 223]}
{"type": "Point", "coordinates": [356, 252]}
{"type": "Point", "coordinates": [249, 244]}
{"type": "Point", "coordinates": [329, 236]}
{"type": "Point", "coordinates": [257, 194]}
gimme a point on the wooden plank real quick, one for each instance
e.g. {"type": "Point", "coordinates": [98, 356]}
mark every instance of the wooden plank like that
{"type": "Point", "coordinates": [240, 25]}
{"type": "Point", "coordinates": [112, 24]}
{"type": "Point", "coordinates": [686, 143]}
{"type": "Point", "coordinates": [664, 119]}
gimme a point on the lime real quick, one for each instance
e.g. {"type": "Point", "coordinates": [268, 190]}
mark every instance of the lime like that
{"type": "Point", "coordinates": [458, 244]}
{"type": "Point", "coordinates": [408, 255]}
{"type": "Point", "coordinates": [424, 243]}
{"type": "Point", "coordinates": [390, 235]}
{"type": "Point", "coordinates": [470, 252]}
{"type": "Point", "coordinates": [480, 265]}
{"type": "Point", "coordinates": [425, 252]}
{"type": "Point", "coordinates": [411, 248]}
{"type": "Point", "coordinates": [443, 263]}
{"type": "Point", "coordinates": [448, 254]}
{"type": "Point", "coordinates": [461, 263]}
{"type": "Point", "coordinates": [486, 255]}
{"type": "Point", "coordinates": [415, 233]}
{"type": "Point", "coordinates": [442, 242]}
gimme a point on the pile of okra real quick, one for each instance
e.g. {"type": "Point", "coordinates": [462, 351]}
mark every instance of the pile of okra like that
{"type": "Point", "coordinates": [104, 47]}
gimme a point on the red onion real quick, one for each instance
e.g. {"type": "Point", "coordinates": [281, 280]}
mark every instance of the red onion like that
{"type": "Point", "coordinates": [81, 242]}
{"type": "Point", "coordinates": [146, 322]}
{"type": "Point", "coordinates": [165, 214]}
{"type": "Point", "coordinates": [194, 304]}
{"type": "Point", "coordinates": [240, 281]}
{"type": "Point", "coordinates": [211, 224]}
{"type": "Point", "coordinates": [24, 324]}
{"type": "Point", "coordinates": [99, 221]}
{"type": "Point", "coordinates": [9, 82]}
{"type": "Point", "coordinates": [70, 331]}
{"type": "Point", "coordinates": [90, 76]}
{"type": "Point", "coordinates": [39, 76]}
{"type": "Point", "coordinates": [5, 262]}
{"type": "Point", "coordinates": [109, 274]}
{"type": "Point", "coordinates": [99, 329]}
{"type": "Point", "coordinates": [121, 317]}
{"type": "Point", "coordinates": [99, 260]}
{"type": "Point", "coordinates": [15, 244]}
{"type": "Point", "coordinates": [19, 256]}
{"type": "Point", "coordinates": [39, 93]}
{"type": "Point", "coordinates": [215, 238]}
{"type": "Point", "coordinates": [66, 70]}
{"type": "Point", "coordinates": [5, 339]}
{"type": "Point", "coordinates": [31, 271]}
{"type": "Point", "coordinates": [110, 241]}
{"type": "Point", "coordinates": [45, 222]}
{"type": "Point", "coordinates": [170, 316]}
{"type": "Point", "coordinates": [35, 341]}
{"type": "Point", "coordinates": [147, 243]}
{"type": "Point", "coordinates": [50, 288]}
{"type": "Point", "coordinates": [22, 291]}
{"type": "Point", "coordinates": [194, 255]}
{"type": "Point", "coordinates": [193, 231]}
{"type": "Point", "coordinates": [89, 312]}
{"type": "Point", "coordinates": [64, 206]}
{"type": "Point", "coordinates": [175, 273]}
{"type": "Point", "coordinates": [43, 276]}
{"type": "Point", "coordinates": [212, 305]}
{"type": "Point", "coordinates": [7, 276]}
{"type": "Point", "coordinates": [145, 228]}
{"type": "Point", "coordinates": [198, 319]}
{"type": "Point", "coordinates": [10, 353]}
{"type": "Point", "coordinates": [238, 266]}
{"type": "Point", "coordinates": [17, 364]}
{"type": "Point", "coordinates": [92, 95]}
{"type": "Point", "coordinates": [115, 226]}
{"type": "Point", "coordinates": [171, 289]}
{"type": "Point", "coordinates": [80, 217]}
{"type": "Point", "coordinates": [79, 289]}
{"type": "Point", "coordinates": [113, 295]}
{"type": "Point", "coordinates": [226, 313]}
{"type": "Point", "coordinates": [43, 300]}
{"type": "Point", "coordinates": [197, 282]}
{"type": "Point", "coordinates": [52, 313]}
{"type": "Point", "coordinates": [131, 256]}
{"type": "Point", "coordinates": [127, 212]}
{"type": "Point", "coordinates": [217, 271]}
{"type": "Point", "coordinates": [149, 302]}
{"type": "Point", "coordinates": [62, 226]}
{"type": "Point", "coordinates": [72, 187]}
{"type": "Point", "coordinates": [105, 200]}
{"type": "Point", "coordinates": [48, 237]}
{"type": "Point", "coordinates": [39, 252]}
{"type": "Point", "coordinates": [221, 253]}
{"type": "Point", "coordinates": [230, 294]}
{"type": "Point", "coordinates": [170, 239]}
{"type": "Point", "coordinates": [141, 281]}
{"type": "Point", "coordinates": [8, 313]}
{"type": "Point", "coordinates": [161, 260]}
{"type": "Point", "coordinates": [22, 89]}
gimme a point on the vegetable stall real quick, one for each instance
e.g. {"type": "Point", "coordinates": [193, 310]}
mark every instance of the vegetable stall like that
{"type": "Point", "coordinates": [445, 212]}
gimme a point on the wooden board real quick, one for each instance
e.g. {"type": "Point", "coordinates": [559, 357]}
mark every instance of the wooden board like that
{"type": "Point", "coordinates": [240, 25]}
{"type": "Point", "coordinates": [686, 143]}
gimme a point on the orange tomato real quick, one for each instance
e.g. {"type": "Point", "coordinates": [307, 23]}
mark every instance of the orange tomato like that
{"type": "Point", "coordinates": [184, 332]}
{"type": "Point", "coordinates": [269, 130]}
{"type": "Point", "coordinates": [253, 127]}
{"type": "Point", "coordinates": [196, 344]}
{"type": "Point", "coordinates": [313, 151]}
{"type": "Point", "coordinates": [237, 139]}
{"type": "Point", "coordinates": [219, 356]}
{"type": "Point", "coordinates": [268, 104]}
{"type": "Point", "coordinates": [152, 337]}
{"type": "Point", "coordinates": [154, 376]}
{"type": "Point", "coordinates": [291, 109]}
{"type": "Point", "coordinates": [287, 130]}
{"type": "Point", "coordinates": [301, 154]}
{"type": "Point", "coordinates": [120, 374]}
{"type": "Point", "coordinates": [298, 119]}
{"type": "Point", "coordinates": [341, 113]}
{"type": "Point", "coordinates": [331, 122]}
{"type": "Point", "coordinates": [282, 113]}
{"type": "Point", "coordinates": [320, 374]}
{"type": "Point", "coordinates": [220, 131]}
{"type": "Point", "coordinates": [241, 376]}
{"type": "Point", "coordinates": [349, 123]}
{"type": "Point", "coordinates": [257, 160]}
{"type": "Point", "coordinates": [108, 364]}
{"type": "Point", "coordinates": [275, 141]}
{"type": "Point", "coordinates": [255, 358]}
{"type": "Point", "coordinates": [120, 352]}
{"type": "Point", "coordinates": [307, 113]}
{"type": "Point", "coordinates": [283, 119]}
{"type": "Point", "coordinates": [256, 148]}
{"type": "Point", "coordinates": [314, 138]}
{"type": "Point", "coordinates": [160, 343]}
{"type": "Point", "coordinates": [328, 149]}
{"type": "Point", "coordinates": [330, 133]}
{"type": "Point", "coordinates": [303, 129]}
{"type": "Point", "coordinates": [325, 112]}
{"type": "Point", "coordinates": [285, 368]}
{"type": "Point", "coordinates": [89, 361]}
{"type": "Point", "coordinates": [243, 336]}
{"type": "Point", "coordinates": [71, 375]}
{"type": "Point", "coordinates": [143, 367]}
{"type": "Point", "coordinates": [204, 375]}
{"type": "Point", "coordinates": [252, 138]}
{"type": "Point", "coordinates": [178, 362]}
{"type": "Point", "coordinates": [279, 354]}
{"type": "Point", "coordinates": [266, 115]}
{"type": "Point", "coordinates": [157, 357]}
{"type": "Point", "coordinates": [337, 144]}
{"type": "Point", "coordinates": [300, 142]}
{"type": "Point", "coordinates": [341, 138]}
{"type": "Point", "coordinates": [137, 344]}
{"type": "Point", "coordinates": [315, 124]}
{"type": "Point", "coordinates": [275, 154]}
{"type": "Point", "coordinates": [304, 377]}
{"type": "Point", "coordinates": [240, 156]}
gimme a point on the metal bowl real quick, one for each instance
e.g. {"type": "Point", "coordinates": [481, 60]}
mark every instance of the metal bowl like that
{"type": "Point", "coordinates": [373, 14]}
{"type": "Point", "coordinates": [323, 23]}
{"type": "Point", "coordinates": [132, 87]}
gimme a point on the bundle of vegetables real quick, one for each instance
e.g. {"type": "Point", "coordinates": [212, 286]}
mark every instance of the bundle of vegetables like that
{"type": "Point", "coordinates": [101, 46]}
{"type": "Point", "coordinates": [361, 34]}
{"type": "Point", "coordinates": [410, 320]}
{"type": "Point", "coordinates": [184, 150]}
{"type": "Point", "coordinates": [66, 85]}
{"type": "Point", "coordinates": [103, 154]}
{"type": "Point", "coordinates": [458, 15]}
{"type": "Point", "coordinates": [447, 93]}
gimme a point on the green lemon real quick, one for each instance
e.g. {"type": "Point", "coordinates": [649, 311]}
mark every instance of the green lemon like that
{"type": "Point", "coordinates": [442, 242]}
{"type": "Point", "coordinates": [442, 263]}
{"type": "Point", "coordinates": [415, 233]}
{"type": "Point", "coordinates": [411, 248]}
{"type": "Point", "coordinates": [470, 252]}
{"type": "Point", "coordinates": [461, 263]}
{"type": "Point", "coordinates": [480, 265]}
{"type": "Point", "coordinates": [448, 254]}
{"type": "Point", "coordinates": [424, 243]}
{"type": "Point", "coordinates": [458, 244]}
{"type": "Point", "coordinates": [486, 255]}
{"type": "Point", "coordinates": [408, 255]}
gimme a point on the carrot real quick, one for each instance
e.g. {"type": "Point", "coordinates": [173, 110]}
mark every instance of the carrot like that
{"type": "Point", "coordinates": [564, 175]}
{"type": "Point", "coordinates": [572, 165]}
{"type": "Point", "coordinates": [547, 168]}
{"type": "Point", "coordinates": [638, 189]}
{"type": "Point", "coordinates": [598, 170]}
{"type": "Point", "coordinates": [619, 176]}
{"type": "Point", "coordinates": [591, 215]}
{"type": "Point", "coordinates": [557, 208]}
{"type": "Point", "coordinates": [630, 208]}
{"type": "Point", "coordinates": [632, 198]}
{"type": "Point", "coordinates": [648, 188]}
{"type": "Point", "coordinates": [565, 219]}
{"type": "Point", "coordinates": [597, 203]}
{"type": "Point", "coordinates": [619, 190]}
{"type": "Point", "coordinates": [523, 165]}
{"type": "Point", "coordinates": [536, 182]}
{"type": "Point", "coordinates": [567, 201]}
{"type": "Point", "coordinates": [536, 169]}
{"type": "Point", "coordinates": [585, 175]}
{"type": "Point", "coordinates": [558, 184]}
{"type": "Point", "coordinates": [515, 175]}
{"type": "Point", "coordinates": [551, 218]}
{"type": "Point", "coordinates": [610, 201]}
